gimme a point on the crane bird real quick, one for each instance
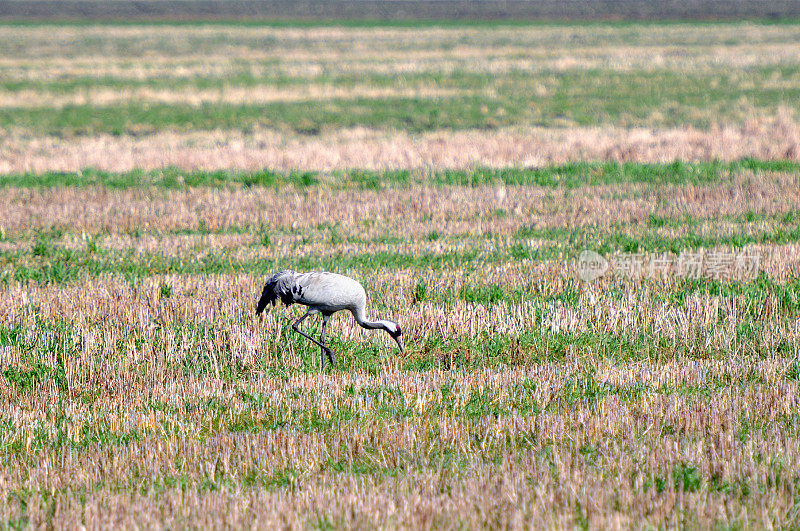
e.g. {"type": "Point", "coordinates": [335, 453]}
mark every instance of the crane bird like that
{"type": "Point", "coordinates": [326, 294]}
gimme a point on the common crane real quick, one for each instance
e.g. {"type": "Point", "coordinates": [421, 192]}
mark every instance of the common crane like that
{"type": "Point", "coordinates": [324, 293]}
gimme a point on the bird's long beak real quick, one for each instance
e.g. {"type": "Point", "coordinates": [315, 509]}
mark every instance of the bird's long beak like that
{"type": "Point", "coordinates": [399, 341]}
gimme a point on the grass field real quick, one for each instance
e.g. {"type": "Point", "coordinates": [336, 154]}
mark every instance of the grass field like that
{"type": "Point", "coordinates": [152, 176]}
{"type": "Point", "coordinates": [390, 12]}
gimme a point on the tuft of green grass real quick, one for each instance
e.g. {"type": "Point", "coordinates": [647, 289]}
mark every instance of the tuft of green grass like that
{"type": "Point", "coordinates": [686, 477]}
{"type": "Point", "coordinates": [420, 292]}
{"type": "Point", "coordinates": [165, 290]}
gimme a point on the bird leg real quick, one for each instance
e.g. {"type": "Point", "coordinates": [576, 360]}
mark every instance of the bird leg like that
{"type": "Point", "coordinates": [326, 350]}
{"type": "Point", "coordinates": [329, 352]}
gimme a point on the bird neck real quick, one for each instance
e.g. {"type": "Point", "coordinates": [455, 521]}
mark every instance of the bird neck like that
{"type": "Point", "coordinates": [361, 319]}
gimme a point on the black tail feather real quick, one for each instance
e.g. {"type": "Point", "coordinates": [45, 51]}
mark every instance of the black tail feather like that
{"type": "Point", "coordinates": [276, 288]}
{"type": "Point", "coordinates": [268, 296]}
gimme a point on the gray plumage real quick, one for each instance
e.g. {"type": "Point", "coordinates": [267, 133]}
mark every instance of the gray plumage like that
{"type": "Point", "coordinates": [326, 294]}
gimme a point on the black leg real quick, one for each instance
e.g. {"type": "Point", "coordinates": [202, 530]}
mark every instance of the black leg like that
{"type": "Point", "coordinates": [322, 338]}
{"type": "Point", "coordinates": [296, 328]}
{"type": "Point", "coordinates": [325, 350]}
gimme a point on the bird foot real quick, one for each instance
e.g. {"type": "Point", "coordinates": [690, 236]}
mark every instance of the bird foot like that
{"type": "Point", "coordinates": [328, 353]}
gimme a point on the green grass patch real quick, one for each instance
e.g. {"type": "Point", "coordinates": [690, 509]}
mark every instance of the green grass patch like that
{"type": "Point", "coordinates": [583, 97]}
{"type": "Point", "coordinates": [571, 175]}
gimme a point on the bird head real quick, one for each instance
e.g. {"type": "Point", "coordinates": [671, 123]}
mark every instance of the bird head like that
{"type": "Point", "coordinates": [397, 334]}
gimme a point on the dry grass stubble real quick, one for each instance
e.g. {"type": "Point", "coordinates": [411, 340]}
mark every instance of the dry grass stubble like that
{"type": "Point", "coordinates": [176, 410]}
{"type": "Point", "coordinates": [410, 213]}
{"type": "Point", "coordinates": [778, 138]}
{"type": "Point", "coordinates": [424, 469]}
